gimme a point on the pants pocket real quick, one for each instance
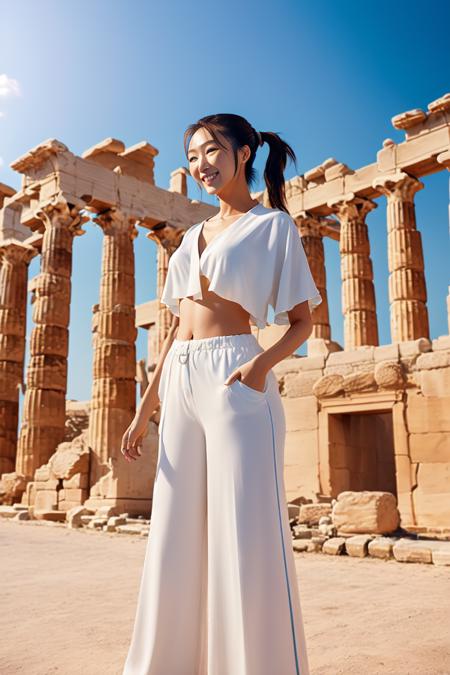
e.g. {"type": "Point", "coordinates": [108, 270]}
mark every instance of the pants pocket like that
{"type": "Point", "coordinates": [241, 389]}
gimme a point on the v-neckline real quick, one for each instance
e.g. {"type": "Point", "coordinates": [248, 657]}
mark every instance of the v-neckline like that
{"type": "Point", "coordinates": [235, 222]}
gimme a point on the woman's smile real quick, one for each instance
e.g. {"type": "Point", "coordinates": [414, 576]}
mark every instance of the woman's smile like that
{"type": "Point", "coordinates": [210, 178]}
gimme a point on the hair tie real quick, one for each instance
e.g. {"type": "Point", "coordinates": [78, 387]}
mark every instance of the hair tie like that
{"type": "Point", "coordinates": [260, 139]}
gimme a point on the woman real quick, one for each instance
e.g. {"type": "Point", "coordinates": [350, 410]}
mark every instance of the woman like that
{"type": "Point", "coordinates": [219, 593]}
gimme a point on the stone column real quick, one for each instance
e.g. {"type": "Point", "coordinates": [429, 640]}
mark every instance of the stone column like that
{"type": "Point", "coordinates": [407, 288]}
{"type": "Point", "coordinates": [164, 313]}
{"type": "Point", "coordinates": [167, 240]}
{"type": "Point", "coordinates": [44, 407]}
{"type": "Point", "coordinates": [444, 159]}
{"type": "Point", "coordinates": [113, 402]}
{"type": "Point", "coordinates": [358, 294]}
{"type": "Point", "coordinates": [311, 234]}
{"type": "Point", "coordinates": [15, 257]}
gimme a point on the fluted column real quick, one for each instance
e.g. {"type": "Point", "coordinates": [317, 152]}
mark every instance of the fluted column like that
{"type": "Point", "coordinates": [44, 407]}
{"type": "Point", "coordinates": [15, 257]}
{"type": "Point", "coordinates": [167, 240]}
{"type": "Point", "coordinates": [358, 294]}
{"type": "Point", "coordinates": [407, 288]}
{"type": "Point", "coordinates": [170, 241]}
{"type": "Point", "coordinates": [311, 234]}
{"type": "Point", "coordinates": [113, 402]}
{"type": "Point", "coordinates": [444, 159]}
{"type": "Point", "coordinates": [164, 313]}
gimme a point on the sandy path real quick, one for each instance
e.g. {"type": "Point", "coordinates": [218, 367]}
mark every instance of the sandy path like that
{"type": "Point", "coordinates": [68, 601]}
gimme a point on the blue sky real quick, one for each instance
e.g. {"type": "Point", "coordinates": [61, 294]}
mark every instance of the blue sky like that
{"type": "Point", "coordinates": [328, 76]}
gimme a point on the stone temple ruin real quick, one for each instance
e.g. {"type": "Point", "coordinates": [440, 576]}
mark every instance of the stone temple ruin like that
{"type": "Point", "coordinates": [360, 417]}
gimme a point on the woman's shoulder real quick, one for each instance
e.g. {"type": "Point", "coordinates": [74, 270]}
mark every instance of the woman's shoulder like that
{"type": "Point", "coordinates": [278, 223]}
{"type": "Point", "coordinates": [276, 215]}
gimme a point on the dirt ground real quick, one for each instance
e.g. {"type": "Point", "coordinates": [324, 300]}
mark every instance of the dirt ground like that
{"type": "Point", "coordinates": [68, 600]}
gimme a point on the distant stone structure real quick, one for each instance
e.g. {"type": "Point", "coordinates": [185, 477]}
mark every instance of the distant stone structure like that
{"type": "Point", "coordinates": [360, 417]}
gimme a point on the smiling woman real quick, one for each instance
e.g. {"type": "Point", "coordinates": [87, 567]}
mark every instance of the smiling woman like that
{"type": "Point", "coordinates": [219, 596]}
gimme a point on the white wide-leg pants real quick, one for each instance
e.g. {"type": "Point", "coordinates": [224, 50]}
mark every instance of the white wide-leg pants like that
{"type": "Point", "coordinates": [218, 593]}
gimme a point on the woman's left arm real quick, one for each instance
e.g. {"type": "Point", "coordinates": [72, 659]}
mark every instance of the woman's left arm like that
{"type": "Point", "coordinates": [298, 332]}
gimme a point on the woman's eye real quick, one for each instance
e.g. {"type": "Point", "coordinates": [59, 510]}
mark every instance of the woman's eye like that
{"type": "Point", "coordinates": [209, 150]}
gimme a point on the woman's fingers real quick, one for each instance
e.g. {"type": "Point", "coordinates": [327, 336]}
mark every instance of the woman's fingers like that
{"type": "Point", "coordinates": [131, 445]}
{"type": "Point", "coordinates": [232, 377]}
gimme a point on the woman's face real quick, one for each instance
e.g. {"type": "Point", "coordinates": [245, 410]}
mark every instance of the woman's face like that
{"type": "Point", "coordinates": [212, 165]}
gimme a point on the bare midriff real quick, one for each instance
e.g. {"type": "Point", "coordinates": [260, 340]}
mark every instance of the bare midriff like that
{"type": "Point", "coordinates": [210, 316]}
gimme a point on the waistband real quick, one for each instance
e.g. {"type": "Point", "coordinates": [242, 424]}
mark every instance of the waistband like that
{"type": "Point", "coordinates": [215, 342]}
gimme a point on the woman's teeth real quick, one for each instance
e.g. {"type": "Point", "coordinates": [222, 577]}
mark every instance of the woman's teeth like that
{"type": "Point", "coordinates": [211, 178]}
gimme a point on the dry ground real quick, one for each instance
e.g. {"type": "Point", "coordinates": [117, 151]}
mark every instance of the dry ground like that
{"type": "Point", "coordinates": [68, 601]}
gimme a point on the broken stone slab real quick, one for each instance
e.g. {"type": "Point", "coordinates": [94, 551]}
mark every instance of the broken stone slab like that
{"type": "Point", "coordinates": [389, 374]}
{"type": "Point", "coordinates": [327, 529]}
{"type": "Point", "coordinates": [441, 342]}
{"type": "Point", "coordinates": [334, 546]}
{"type": "Point", "coordinates": [129, 529]}
{"type": "Point", "coordinates": [386, 353]}
{"type": "Point", "coordinates": [315, 544]}
{"type": "Point", "coordinates": [50, 514]}
{"type": "Point", "coordinates": [328, 385]}
{"type": "Point", "coordinates": [430, 360]}
{"type": "Point", "coordinates": [414, 347]}
{"type": "Point", "coordinates": [357, 545]}
{"type": "Point", "coordinates": [114, 521]}
{"type": "Point", "coordinates": [301, 533]}
{"type": "Point", "coordinates": [106, 511]}
{"type": "Point", "coordinates": [311, 513]}
{"type": "Point", "coordinates": [300, 545]}
{"type": "Point", "coordinates": [381, 547]}
{"type": "Point", "coordinates": [20, 507]}
{"type": "Point", "coordinates": [441, 556]}
{"type": "Point", "coordinates": [96, 523]}
{"type": "Point", "coordinates": [75, 516]}
{"type": "Point", "coordinates": [22, 515]}
{"type": "Point", "coordinates": [139, 520]}
{"type": "Point", "coordinates": [365, 512]}
{"type": "Point", "coordinates": [7, 511]}
{"type": "Point", "coordinates": [413, 550]}
{"type": "Point", "coordinates": [293, 510]}
{"type": "Point", "coordinates": [86, 519]}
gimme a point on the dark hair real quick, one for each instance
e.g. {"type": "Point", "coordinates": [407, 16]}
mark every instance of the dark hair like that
{"type": "Point", "coordinates": [239, 132]}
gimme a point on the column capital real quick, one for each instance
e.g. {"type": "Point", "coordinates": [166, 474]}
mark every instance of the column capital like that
{"type": "Point", "coordinates": [168, 237]}
{"type": "Point", "coordinates": [309, 224]}
{"type": "Point", "coordinates": [115, 221]}
{"type": "Point", "coordinates": [398, 186]}
{"type": "Point", "coordinates": [352, 206]}
{"type": "Point", "coordinates": [15, 251]}
{"type": "Point", "coordinates": [60, 213]}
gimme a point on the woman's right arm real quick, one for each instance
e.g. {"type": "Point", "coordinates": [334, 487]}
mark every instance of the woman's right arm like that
{"type": "Point", "coordinates": [132, 438]}
{"type": "Point", "coordinates": [150, 401]}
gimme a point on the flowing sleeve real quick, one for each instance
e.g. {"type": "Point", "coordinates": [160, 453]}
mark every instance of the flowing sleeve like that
{"type": "Point", "coordinates": [293, 282]}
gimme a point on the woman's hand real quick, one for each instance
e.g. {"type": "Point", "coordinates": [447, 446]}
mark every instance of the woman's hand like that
{"type": "Point", "coordinates": [132, 439]}
{"type": "Point", "coordinates": [251, 374]}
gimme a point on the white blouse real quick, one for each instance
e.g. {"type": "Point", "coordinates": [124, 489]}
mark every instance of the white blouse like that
{"type": "Point", "coordinates": [257, 261]}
